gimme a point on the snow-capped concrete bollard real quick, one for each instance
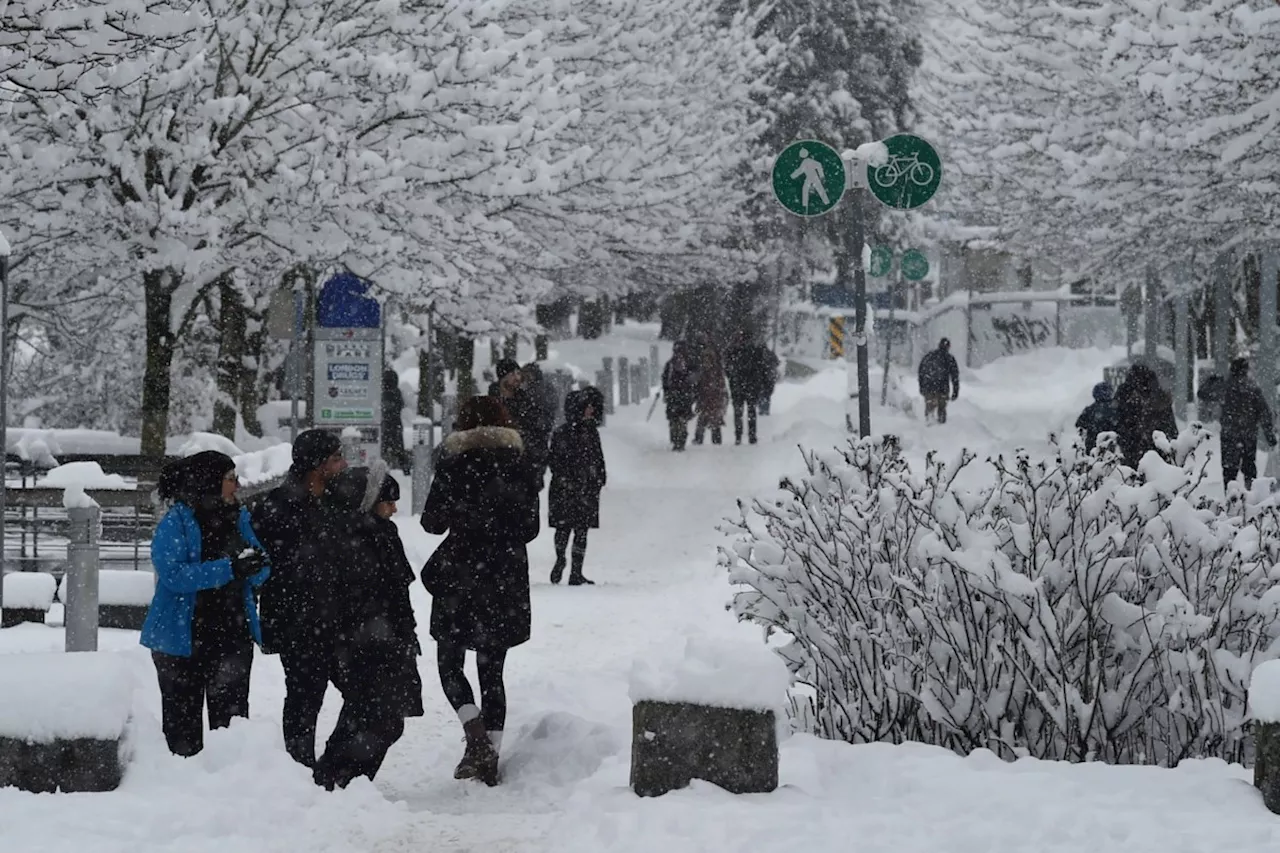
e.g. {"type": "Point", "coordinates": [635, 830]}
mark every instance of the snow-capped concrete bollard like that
{"type": "Point", "coordinates": [81, 582]}
{"type": "Point", "coordinates": [624, 381]}
{"type": "Point", "coordinates": [605, 384]}
{"type": "Point", "coordinates": [640, 381]}
{"type": "Point", "coordinates": [27, 598]}
{"type": "Point", "coordinates": [124, 597]}
{"type": "Point", "coordinates": [1264, 710]}
{"type": "Point", "coordinates": [711, 715]}
{"type": "Point", "coordinates": [67, 732]}
{"type": "Point", "coordinates": [423, 441]}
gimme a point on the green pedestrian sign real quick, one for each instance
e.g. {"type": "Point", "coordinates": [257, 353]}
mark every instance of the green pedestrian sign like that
{"type": "Point", "coordinates": [881, 261]}
{"type": "Point", "coordinates": [910, 177]}
{"type": "Point", "coordinates": [808, 178]}
{"type": "Point", "coordinates": [915, 265]}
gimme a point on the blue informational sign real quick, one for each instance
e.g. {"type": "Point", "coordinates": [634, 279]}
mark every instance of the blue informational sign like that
{"type": "Point", "coordinates": [832, 295]}
{"type": "Point", "coordinates": [343, 304]}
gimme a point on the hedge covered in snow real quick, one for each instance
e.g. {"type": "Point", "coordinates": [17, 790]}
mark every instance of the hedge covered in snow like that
{"type": "Point", "coordinates": [1071, 609]}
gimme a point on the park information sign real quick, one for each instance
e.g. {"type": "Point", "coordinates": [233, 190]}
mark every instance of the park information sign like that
{"type": "Point", "coordinates": [348, 377]}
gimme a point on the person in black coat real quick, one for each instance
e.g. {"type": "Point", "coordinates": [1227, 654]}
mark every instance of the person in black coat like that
{"type": "Point", "coordinates": [521, 392]}
{"type": "Point", "coordinates": [577, 476]}
{"type": "Point", "coordinates": [392, 426]}
{"type": "Point", "coordinates": [771, 363]}
{"type": "Point", "coordinates": [1244, 412]}
{"type": "Point", "coordinates": [376, 643]}
{"type": "Point", "coordinates": [478, 577]}
{"type": "Point", "coordinates": [746, 369]}
{"type": "Point", "coordinates": [305, 544]}
{"type": "Point", "coordinates": [680, 390]}
{"type": "Point", "coordinates": [1099, 416]}
{"type": "Point", "coordinates": [1143, 408]}
{"type": "Point", "coordinates": [939, 378]}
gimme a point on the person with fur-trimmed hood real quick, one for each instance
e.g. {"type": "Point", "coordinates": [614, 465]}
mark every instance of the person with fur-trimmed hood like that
{"type": "Point", "coordinates": [577, 476]}
{"type": "Point", "coordinates": [478, 577]}
{"type": "Point", "coordinates": [376, 643]}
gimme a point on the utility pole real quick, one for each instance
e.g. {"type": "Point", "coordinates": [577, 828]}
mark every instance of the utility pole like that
{"type": "Point", "coordinates": [854, 244]}
{"type": "Point", "coordinates": [4, 397]}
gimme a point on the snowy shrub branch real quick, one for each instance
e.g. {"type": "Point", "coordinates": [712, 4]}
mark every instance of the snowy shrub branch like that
{"type": "Point", "coordinates": [1072, 609]}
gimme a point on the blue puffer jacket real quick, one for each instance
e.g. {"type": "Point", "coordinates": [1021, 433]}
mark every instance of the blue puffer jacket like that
{"type": "Point", "coordinates": [180, 574]}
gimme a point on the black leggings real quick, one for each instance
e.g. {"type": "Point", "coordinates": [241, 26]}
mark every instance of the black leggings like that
{"type": "Point", "coordinates": [450, 660]}
{"type": "Point", "coordinates": [579, 542]}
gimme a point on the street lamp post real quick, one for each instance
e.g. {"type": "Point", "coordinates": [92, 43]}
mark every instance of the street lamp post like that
{"type": "Point", "coordinates": [4, 396]}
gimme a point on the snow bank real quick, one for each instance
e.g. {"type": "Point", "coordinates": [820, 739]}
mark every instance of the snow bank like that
{"type": "Point", "coordinates": [79, 695]}
{"type": "Point", "coordinates": [120, 587]}
{"type": "Point", "coordinates": [82, 475]}
{"type": "Point", "coordinates": [32, 447]}
{"type": "Point", "coordinates": [198, 442]}
{"type": "Point", "coordinates": [262, 466]}
{"type": "Point", "coordinates": [1264, 693]}
{"type": "Point", "coordinates": [29, 590]}
{"type": "Point", "coordinates": [715, 672]}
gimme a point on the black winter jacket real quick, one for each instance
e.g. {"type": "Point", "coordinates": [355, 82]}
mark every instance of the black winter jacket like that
{"type": "Point", "coordinates": [938, 375]}
{"type": "Point", "coordinates": [577, 470]}
{"type": "Point", "coordinates": [479, 575]}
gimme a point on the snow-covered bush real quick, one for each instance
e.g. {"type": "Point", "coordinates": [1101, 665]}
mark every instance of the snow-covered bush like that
{"type": "Point", "coordinates": [1073, 608]}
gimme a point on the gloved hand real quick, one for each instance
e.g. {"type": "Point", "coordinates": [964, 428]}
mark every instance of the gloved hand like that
{"type": "Point", "coordinates": [1271, 440]}
{"type": "Point", "coordinates": [955, 395]}
{"type": "Point", "coordinates": [248, 563]}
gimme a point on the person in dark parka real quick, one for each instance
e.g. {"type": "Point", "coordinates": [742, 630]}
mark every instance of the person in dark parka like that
{"type": "Point", "coordinates": [939, 379]}
{"type": "Point", "coordinates": [577, 476]}
{"type": "Point", "coordinates": [377, 645]}
{"type": "Point", "coordinates": [679, 390]}
{"type": "Point", "coordinates": [202, 622]}
{"type": "Point", "coordinates": [305, 544]}
{"type": "Point", "coordinates": [393, 449]}
{"type": "Point", "coordinates": [712, 398]}
{"type": "Point", "coordinates": [1099, 416]}
{"type": "Point", "coordinates": [747, 371]}
{"type": "Point", "coordinates": [1143, 408]}
{"type": "Point", "coordinates": [478, 577]}
{"type": "Point", "coordinates": [1244, 412]}
{"type": "Point", "coordinates": [770, 360]}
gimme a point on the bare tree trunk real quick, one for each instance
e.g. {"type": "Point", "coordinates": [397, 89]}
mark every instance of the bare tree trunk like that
{"type": "Point", "coordinates": [251, 396]}
{"type": "Point", "coordinates": [157, 286]}
{"type": "Point", "coordinates": [232, 330]}
{"type": "Point", "coordinates": [464, 355]}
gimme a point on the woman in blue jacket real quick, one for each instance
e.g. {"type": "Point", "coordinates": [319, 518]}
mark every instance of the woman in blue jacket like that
{"type": "Point", "coordinates": [203, 621]}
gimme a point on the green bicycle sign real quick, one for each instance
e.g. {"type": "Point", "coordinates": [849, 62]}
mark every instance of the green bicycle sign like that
{"type": "Point", "coordinates": [911, 175]}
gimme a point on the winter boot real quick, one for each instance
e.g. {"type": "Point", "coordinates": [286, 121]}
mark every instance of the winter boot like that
{"type": "Point", "coordinates": [557, 571]}
{"type": "Point", "coordinates": [480, 760]}
{"type": "Point", "coordinates": [576, 577]}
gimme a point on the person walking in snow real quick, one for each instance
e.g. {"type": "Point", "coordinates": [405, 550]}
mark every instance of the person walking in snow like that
{"type": "Point", "coordinates": [479, 575]}
{"type": "Point", "coordinates": [679, 390]}
{"type": "Point", "coordinates": [202, 622]}
{"type": "Point", "coordinates": [939, 378]}
{"type": "Point", "coordinates": [770, 364]}
{"type": "Point", "coordinates": [577, 476]}
{"type": "Point", "coordinates": [748, 375]}
{"type": "Point", "coordinates": [525, 410]}
{"type": "Point", "coordinates": [376, 635]}
{"type": "Point", "coordinates": [1143, 408]}
{"type": "Point", "coordinates": [1244, 412]}
{"type": "Point", "coordinates": [1099, 416]}
{"type": "Point", "coordinates": [712, 398]}
{"type": "Point", "coordinates": [306, 545]}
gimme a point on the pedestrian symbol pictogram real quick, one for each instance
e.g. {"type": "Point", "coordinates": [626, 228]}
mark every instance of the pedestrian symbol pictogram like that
{"type": "Point", "coordinates": [915, 265]}
{"type": "Point", "coordinates": [881, 261]}
{"type": "Point", "coordinates": [911, 175]}
{"type": "Point", "coordinates": [808, 178]}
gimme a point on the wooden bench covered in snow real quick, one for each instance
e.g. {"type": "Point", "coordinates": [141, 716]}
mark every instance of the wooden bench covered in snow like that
{"type": "Point", "coordinates": [62, 725]}
{"type": "Point", "coordinates": [709, 716]}
{"type": "Point", "coordinates": [27, 597]}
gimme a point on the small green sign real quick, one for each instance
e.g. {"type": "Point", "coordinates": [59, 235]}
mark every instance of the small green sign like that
{"type": "Point", "coordinates": [911, 176]}
{"type": "Point", "coordinates": [881, 261]}
{"type": "Point", "coordinates": [808, 178]}
{"type": "Point", "coordinates": [915, 265]}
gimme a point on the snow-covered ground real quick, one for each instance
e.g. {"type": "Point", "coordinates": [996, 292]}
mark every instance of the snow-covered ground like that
{"type": "Point", "coordinates": [567, 749]}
